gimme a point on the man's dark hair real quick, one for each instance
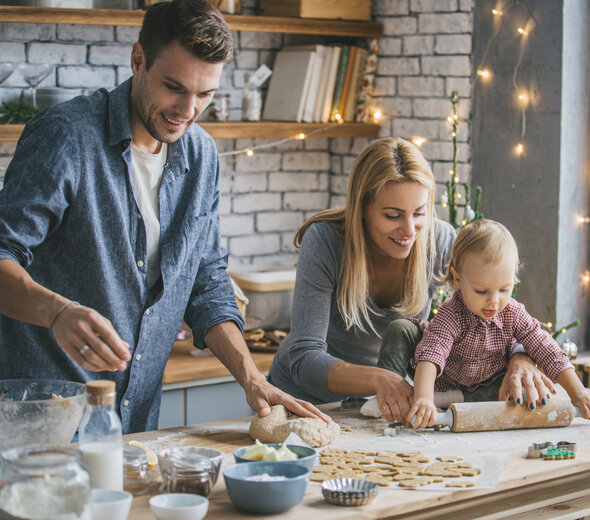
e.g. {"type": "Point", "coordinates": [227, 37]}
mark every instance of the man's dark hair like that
{"type": "Point", "coordinates": [195, 24]}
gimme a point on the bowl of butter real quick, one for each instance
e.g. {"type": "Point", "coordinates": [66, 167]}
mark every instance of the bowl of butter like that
{"type": "Point", "coordinates": [300, 455]}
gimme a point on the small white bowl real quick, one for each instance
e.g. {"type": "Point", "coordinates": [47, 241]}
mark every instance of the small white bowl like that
{"type": "Point", "coordinates": [179, 506]}
{"type": "Point", "coordinates": [110, 504]}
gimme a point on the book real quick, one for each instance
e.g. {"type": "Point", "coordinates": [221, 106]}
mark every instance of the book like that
{"type": "Point", "coordinates": [342, 64]}
{"type": "Point", "coordinates": [288, 85]}
{"type": "Point", "coordinates": [347, 81]}
{"type": "Point", "coordinates": [355, 86]}
{"type": "Point", "coordinates": [332, 67]}
{"type": "Point", "coordinates": [323, 83]}
{"type": "Point", "coordinates": [314, 84]}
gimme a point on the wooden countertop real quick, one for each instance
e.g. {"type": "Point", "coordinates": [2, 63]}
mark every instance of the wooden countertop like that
{"type": "Point", "coordinates": [186, 363]}
{"type": "Point", "coordinates": [526, 488]}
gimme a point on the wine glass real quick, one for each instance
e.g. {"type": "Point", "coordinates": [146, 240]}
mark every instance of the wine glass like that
{"type": "Point", "coordinates": [6, 69]}
{"type": "Point", "coordinates": [33, 74]}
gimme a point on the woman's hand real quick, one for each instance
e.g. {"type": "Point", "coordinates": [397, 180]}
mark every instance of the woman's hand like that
{"type": "Point", "coordinates": [422, 414]}
{"type": "Point", "coordinates": [522, 373]}
{"type": "Point", "coordinates": [394, 394]}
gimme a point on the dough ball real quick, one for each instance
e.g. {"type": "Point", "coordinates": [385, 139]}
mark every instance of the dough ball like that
{"type": "Point", "coordinates": [279, 423]}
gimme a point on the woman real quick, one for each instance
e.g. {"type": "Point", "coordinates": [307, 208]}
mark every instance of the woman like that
{"type": "Point", "coordinates": [362, 266]}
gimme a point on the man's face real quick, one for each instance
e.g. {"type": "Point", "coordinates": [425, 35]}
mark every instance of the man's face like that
{"type": "Point", "coordinates": [166, 99]}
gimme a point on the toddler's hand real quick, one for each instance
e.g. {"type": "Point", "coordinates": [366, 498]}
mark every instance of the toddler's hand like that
{"type": "Point", "coordinates": [422, 414]}
{"type": "Point", "coordinates": [582, 401]}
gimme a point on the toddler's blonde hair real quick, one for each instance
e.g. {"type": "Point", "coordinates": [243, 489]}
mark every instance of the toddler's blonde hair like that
{"type": "Point", "coordinates": [484, 237]}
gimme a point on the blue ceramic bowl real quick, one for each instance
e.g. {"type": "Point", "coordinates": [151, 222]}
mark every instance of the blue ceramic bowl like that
{"type": "Point", "coordinates": [305, 456]}
{"type": "Point", "coordinates": [266, 497]}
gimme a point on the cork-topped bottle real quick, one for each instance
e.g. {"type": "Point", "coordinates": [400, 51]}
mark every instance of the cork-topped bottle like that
{"type": "Point", "coordinates": [100, 436]}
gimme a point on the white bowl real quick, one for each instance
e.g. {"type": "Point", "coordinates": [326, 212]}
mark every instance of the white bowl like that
{"type": "Point", "coordinates": [179, 506]}
{"type": "Point", "coordinates": [110, 504]}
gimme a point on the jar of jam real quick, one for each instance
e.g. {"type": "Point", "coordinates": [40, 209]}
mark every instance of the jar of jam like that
{"type": "Point", "coordinates": [188, 473]}
{"type": "Point", "coordinates": [136, 476]}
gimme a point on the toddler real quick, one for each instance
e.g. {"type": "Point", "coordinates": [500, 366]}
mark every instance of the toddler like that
{"type": "Point", "coordinates": [467, 344]}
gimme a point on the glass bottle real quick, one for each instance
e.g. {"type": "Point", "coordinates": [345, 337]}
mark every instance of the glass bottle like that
{"type": "Point", "coordinates": [44, 482]}
{"type": "Point", "coordinates": [100, 436]}
{"type": "Point", "coordinates": [251, 101]}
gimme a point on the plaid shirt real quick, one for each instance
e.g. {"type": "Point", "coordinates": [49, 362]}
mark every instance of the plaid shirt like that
{"type": "Point", "coordinates": [470, 352]}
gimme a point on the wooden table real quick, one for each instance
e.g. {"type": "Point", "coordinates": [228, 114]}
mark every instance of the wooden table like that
{"type": "Point", "coordinates": [526, 488]}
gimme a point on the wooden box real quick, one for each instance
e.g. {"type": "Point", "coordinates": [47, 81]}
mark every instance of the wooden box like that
{"type": "Point", "coordinates": [334, 9]}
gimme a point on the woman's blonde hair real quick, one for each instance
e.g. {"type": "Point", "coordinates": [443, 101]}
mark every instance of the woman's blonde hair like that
{"type": "Point", "coordinates": [385, 161]}
{"type": "Point", "coordinates": [484, 237]}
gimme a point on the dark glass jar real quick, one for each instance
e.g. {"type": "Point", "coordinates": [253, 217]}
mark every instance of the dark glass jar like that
{"type": "Point", "coordinates": [188, 473]}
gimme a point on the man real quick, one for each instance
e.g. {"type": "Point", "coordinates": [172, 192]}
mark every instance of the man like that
{"type": "Point", "coordinates": [112, 201]}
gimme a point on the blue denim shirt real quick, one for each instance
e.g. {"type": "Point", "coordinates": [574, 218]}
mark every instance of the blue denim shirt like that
{"type": "Point", "coordinates": [68, 215]}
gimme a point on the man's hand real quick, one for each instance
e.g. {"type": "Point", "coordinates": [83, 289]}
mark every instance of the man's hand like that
{"type": "Point", "coordinates": [522, 373]}
{"type": "Point", "coordinates": [90, 339]}
{"type": "Point", "coordinates": [261, 396]}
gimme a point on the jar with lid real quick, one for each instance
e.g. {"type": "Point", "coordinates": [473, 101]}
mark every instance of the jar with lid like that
{"type": "Point", "coordinates": [188, 473]}
{"type": "Point", "coordinates": [136, 476]}
{"type": "Point", "coordinates": [101, 436]}
{"type": "Point", "coordinates": [219, 108]}
{"type": "Point", "coordinates": [53, 476]}
{"type": "Point", "coordinates": [251, 101]}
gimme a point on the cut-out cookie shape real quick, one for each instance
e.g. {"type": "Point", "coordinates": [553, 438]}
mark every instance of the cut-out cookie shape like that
{"type": "Point", "coordinates": [279, 423]}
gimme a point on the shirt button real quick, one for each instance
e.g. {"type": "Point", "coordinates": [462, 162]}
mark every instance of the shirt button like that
{"type": "Point", "coordinates": [147, 311]}
{"type": "Point", "coordinates": [139, 216]}
{"type": "Point", "coordinates": [482, 337]}
{"type": "Point", "coordinates": [140, 263]}
{"type": "Point", "coordinates": [126, 402]}
{"type": "Point", "coordinates": [475, 358]}
{"type": "Point", "coordinates": [138, 357]}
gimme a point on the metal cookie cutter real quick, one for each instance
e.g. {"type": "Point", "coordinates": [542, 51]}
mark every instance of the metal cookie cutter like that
{"type": "Point", "coordinates": [393, 429]}
{"type": "Point", "coordinates": [567, 445]}
{"type": "Point", "coordinates": [539, 449]}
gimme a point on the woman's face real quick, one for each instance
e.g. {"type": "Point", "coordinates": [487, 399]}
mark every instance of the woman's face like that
{"type": "Point", "coordinates": [394, 219]}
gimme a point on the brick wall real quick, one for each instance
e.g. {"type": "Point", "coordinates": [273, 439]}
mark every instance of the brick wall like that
{"type": "Point", "coordinates": [425, 53]}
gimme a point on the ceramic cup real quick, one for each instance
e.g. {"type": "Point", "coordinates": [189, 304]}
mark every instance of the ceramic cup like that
{"type": "Point", "coordinates": [110, 504]}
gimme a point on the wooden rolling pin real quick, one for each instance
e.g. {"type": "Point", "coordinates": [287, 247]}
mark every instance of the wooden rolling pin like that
{"type": "Point", "coordinates": [507, 415]}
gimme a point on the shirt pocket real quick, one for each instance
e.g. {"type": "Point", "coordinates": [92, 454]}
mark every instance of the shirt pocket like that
{"type": "Point", "coordinates": [190, 245]}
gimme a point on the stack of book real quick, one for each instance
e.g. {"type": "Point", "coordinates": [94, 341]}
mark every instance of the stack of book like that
{"type": "Point", "coordinates": [316, 83]}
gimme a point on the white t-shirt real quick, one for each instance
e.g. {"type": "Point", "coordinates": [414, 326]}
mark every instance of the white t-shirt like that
{"type": "Point", "coordinates": [146, 176]}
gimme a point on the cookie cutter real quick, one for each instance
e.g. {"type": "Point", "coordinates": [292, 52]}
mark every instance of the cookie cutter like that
{"type": "Point", "coordinates": [393, 429]}
{"type": "Point", "coordinates": [537, 450]}
{"type": "Point", "coordinates": [567, 445]}
{"type": "Point", "coordinates": [559, 454]}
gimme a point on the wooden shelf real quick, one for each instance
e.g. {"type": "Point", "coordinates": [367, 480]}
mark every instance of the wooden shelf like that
{"type": "Point", "coordinates": [15, 14]}
{"type": "Point", "coordinates": [254, 130]}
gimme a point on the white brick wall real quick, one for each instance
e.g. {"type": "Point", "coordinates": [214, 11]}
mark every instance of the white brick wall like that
{"type": "Point", "coordinates": [424, 55]}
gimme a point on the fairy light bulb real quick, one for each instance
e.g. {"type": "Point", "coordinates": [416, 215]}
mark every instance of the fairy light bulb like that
{"type": "Point", "coordinates": [434, 311]}
{"type": "Point", "coordinates": [249, 152]}
{"type": "Point", "coordinates": [377, 115]}
{"type": "Point", "coordinates": [519, 149]}
{"type": "Point", "coordinates": [484, 73]}
{"type": "Point", "coordinates": [300, 136]}
{"type": "Point", "coordinates": [338, 118]}
{"type": "Point", "coordinates": [419, 141]}
{"type": "Point", "coordinates": [522, 31]}
{"type": "Point", "coordinates": [549, 325]}
{"type": "Point", "coordinates": [441, 291]}
{"type": "Point", "coordinates": [451, 172]}
{"type": "Point", "coordinates": [586, 277]}
{"type": "Point", "coordinates": [497, 12]}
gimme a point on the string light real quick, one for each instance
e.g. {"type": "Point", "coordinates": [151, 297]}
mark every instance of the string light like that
{"type": "Point", "coordinates": [484, 73]}
{"type": "Point", "coordinates": [586, 277]}
{"type": "Point", "coordinates": [377, 115]}
{"type": "Point", "coordinates": [249, 152]}
{"type": "Point", "coordinates": [338, 118]}
{"type": "Point", "coordinates": [522, 31]}
{"type": "Point", "coordinates": [497, 12]}
{"type": "Point", "coordinates": [419, 141]}
{"type": "Point", "coordinates": [519, 149]}
{"type": "Point", "coordinates": [300, 136]}
{"type": "Point", "coordinates": [583, 220]}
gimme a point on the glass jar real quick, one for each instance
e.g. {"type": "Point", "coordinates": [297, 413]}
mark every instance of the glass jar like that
{"type": "Point", "coordinates": [251, 101]}
{"type": "Point", "coordinates": [54, 476]}
{"type": "Point", "coordinates": [188, 473]}
{"type": "Point", "coordinates": [219, 108]}
{"type": "Point", "coordinates": [136, 476]}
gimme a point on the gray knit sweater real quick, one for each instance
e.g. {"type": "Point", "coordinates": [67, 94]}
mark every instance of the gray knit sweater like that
{"type": "Point", "coordinates": [318, 336]}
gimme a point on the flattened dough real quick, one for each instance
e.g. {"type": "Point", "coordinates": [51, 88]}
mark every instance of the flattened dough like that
{"type": "Point", "coordinates": [279, 423]}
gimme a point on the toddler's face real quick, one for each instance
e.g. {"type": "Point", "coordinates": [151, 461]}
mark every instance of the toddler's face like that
{"type": "Point", "coordinates": [486, 287]}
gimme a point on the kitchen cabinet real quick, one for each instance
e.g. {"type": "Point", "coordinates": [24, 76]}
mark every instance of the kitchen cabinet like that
{"type": "Point", "coordinates": [222, 130]}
